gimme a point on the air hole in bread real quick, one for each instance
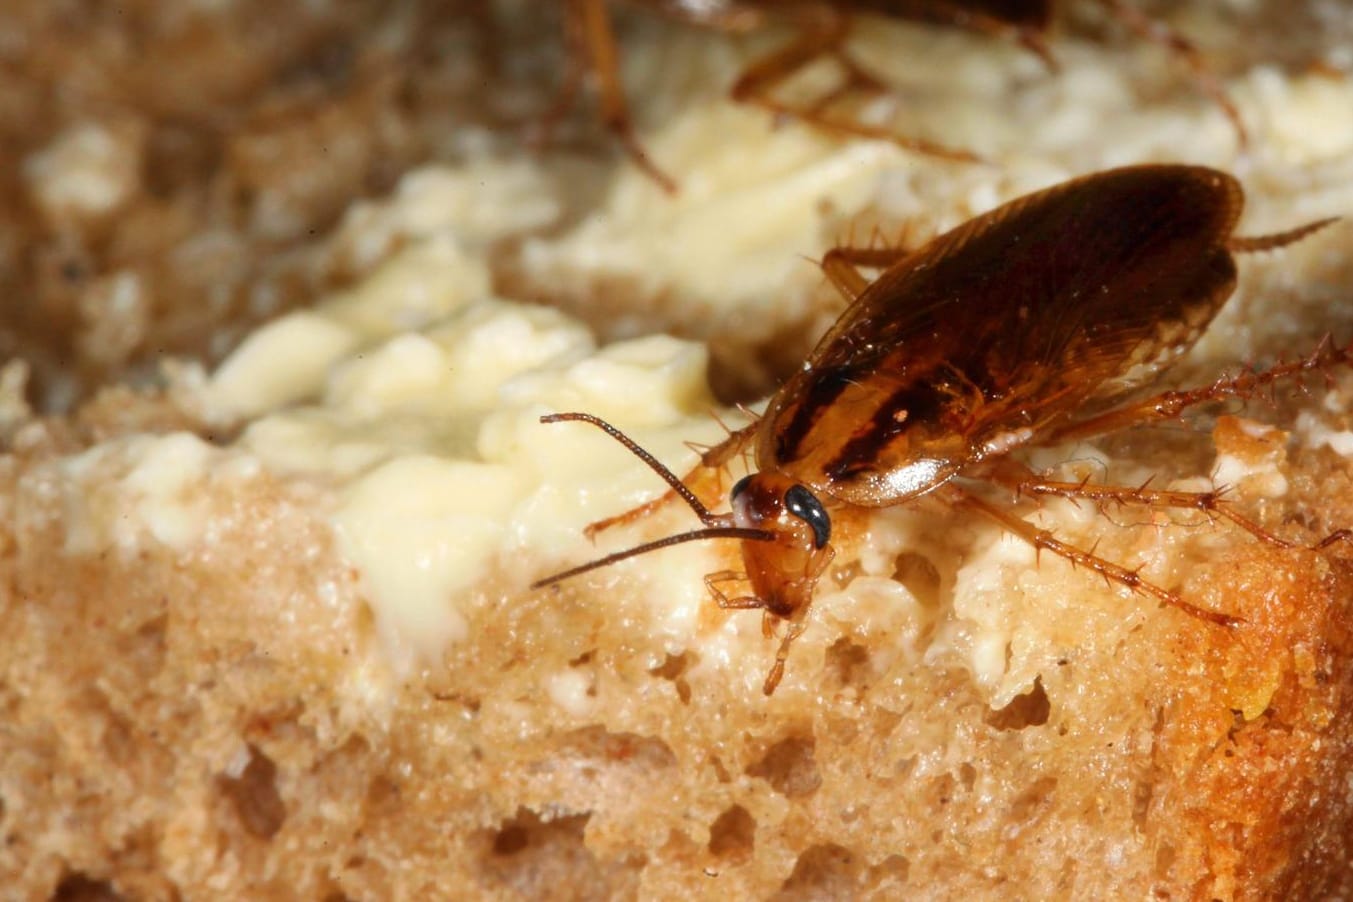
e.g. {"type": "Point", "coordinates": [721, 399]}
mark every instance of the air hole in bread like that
{"type": "Point", "coordinates": [673, 668]}
{"type": "Point", "coordinates": [1031, 709]}
{"type": "Point", "coordinates": [789, 767]}
{"type": "Point", "coordinates": [79, 888]}
{"type": "Point", "coordinates": [824, 871]}
{"type": "Point", "coordinates": [848, 664]}
{"type": "Point", "coordinates": [919, 574]}
{"type": "Point", "coordinates": [254, 796]}
{"type": "Point", "coordinates": [732, 836]}
{"type": "Point", "coordinates": [544, 857]}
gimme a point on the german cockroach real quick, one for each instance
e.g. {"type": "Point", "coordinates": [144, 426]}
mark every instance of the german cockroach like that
{"type": "Point", "coordinates": [1033, 324]}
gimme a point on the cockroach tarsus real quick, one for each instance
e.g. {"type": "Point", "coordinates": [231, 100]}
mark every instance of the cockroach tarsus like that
{"type": "Point", "coordinates": [1034, 324]}
{"type": "Point", "coordinates": [822, 30]}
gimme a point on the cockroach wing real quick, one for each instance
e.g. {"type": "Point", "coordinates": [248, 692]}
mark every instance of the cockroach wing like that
{"type": "Point", "coordinates": [1005, 326]}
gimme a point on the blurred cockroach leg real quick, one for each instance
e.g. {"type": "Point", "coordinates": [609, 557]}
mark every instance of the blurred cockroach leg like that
{"type": "Point", "coordinates": [592, 40]}
{"type": "Point", "coordinates": [823, 33]}
{"type": "Point", "coordinates": [1158, 32]}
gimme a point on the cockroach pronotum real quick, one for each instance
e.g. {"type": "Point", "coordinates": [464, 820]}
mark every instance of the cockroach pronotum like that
{"type": "Point", "coordinates": [1029, 325]}
{"type": "Point", "coordinates": [822, 31]}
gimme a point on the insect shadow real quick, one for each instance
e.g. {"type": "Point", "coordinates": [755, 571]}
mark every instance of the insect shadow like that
{"type": "Point", "coordinates": [1034, 324]}
{"type": "Point", "coordinates": [821, 31]}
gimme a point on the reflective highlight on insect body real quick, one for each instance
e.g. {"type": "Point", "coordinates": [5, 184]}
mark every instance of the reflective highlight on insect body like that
{"type": "Point", "coordinates": [1032, 324]}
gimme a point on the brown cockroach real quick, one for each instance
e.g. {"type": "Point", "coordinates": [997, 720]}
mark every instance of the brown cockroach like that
{"type": "Point", "coordinates": [822, 30]}
{"type": "Point", "coordinates": [1029, 325]}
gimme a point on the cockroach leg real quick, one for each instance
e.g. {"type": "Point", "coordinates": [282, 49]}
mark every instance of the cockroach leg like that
{"type": "Point", "coordinates": [962, 16]}
{"type": "Point", "coordinates": [858, 80]}
{"type": "Point", "coordinates": [1034, 43]}
{"type": "Point", "coordinates": [1042, 539]}
{"type": "Point", "coordinates": [1158, 32]}
{"type": "Point", "coordinates": [1210, 503]}
{"type": "Point", "coordinates": [1213, 504]}
{"type": "Point", "coordinates": [793, 630]}
{"type": "Point", "coordinates": [842, 273]}
{"type": "Point", "coordinates": [729, 448]}
{"type": "Point", "coordinates": [823, 34]}
{"type": "Point", "coordinates": [1170, 404]}
{"type": "Point", "coordinates": [841, 266]}
{"type": "Point", "coordinates": [716, 525]}
{"type": "Point", "coordinates": [634, 514]}
{"type": "Point", "coordinates": [596, 39]}
{"type": "Point", "coordinates": [1339, 535]}
{"type": "Point", "coordinates": [741, 602]}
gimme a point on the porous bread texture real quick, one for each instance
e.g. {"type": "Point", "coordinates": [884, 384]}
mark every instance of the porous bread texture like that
{"type": "Point", "coordinates": [200, 703]}
{"type": "Point", "coordinates": [195, 723]}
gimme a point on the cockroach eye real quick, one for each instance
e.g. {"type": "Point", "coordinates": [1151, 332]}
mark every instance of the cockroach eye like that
{"type": "Point", "coordinates": [740, 486]}
{"type": "Point", "coordinates": [804, 504]}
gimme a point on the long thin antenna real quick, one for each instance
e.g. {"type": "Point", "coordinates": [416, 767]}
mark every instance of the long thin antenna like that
{"type": "Point", "coordinates": [717, 532]}
{"type": "Point", "coordinates": [654, 464]}
{"type": "Point", "coordinates": [716, 526]}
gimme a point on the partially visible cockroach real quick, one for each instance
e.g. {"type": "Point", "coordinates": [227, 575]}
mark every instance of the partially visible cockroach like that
{"type": "Point", "coordinates": [823, 28]}
{"type": "Point", "coordinates": [1029, 325]}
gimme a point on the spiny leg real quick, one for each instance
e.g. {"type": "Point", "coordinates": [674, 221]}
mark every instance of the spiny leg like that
{"type": "Point", "coordinates": [1157, 32]}
{"type": "Point", "coordinates": [1209, 503]}
{"type": "Point", "coordinates": [841, 266]}
{"type": "Point", "coordinates": [1170, 404]}
{"type": "Point", "coordinates": [823, 34]}
{"type": "Point", "coordinates": [1042, 539]}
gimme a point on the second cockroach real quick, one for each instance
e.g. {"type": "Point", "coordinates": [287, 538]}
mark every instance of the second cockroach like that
{"type": "Point", "coordinates": [822, 29]}
{"type": "Point", "coordinates": [1033, 324]}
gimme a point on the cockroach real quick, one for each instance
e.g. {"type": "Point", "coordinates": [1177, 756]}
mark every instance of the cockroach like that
{"type": "Point", "coordinates": [822, 31]}
{"type": "Point", "coordinates": [1029, 325]}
